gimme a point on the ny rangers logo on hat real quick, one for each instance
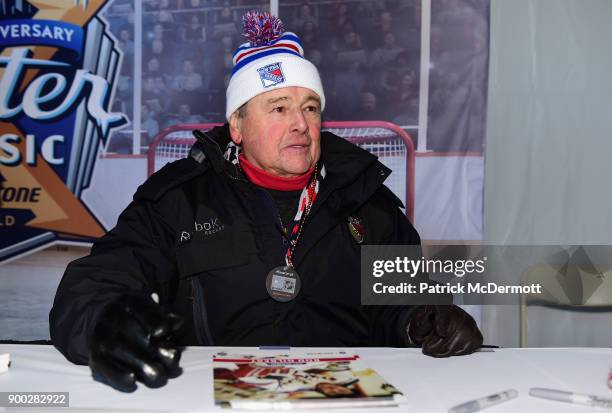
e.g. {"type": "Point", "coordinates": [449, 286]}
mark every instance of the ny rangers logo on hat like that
{"type": "Point", "coordinates": [271, 74]}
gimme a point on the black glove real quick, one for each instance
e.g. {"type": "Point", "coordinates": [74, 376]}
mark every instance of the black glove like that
{"type": "Point", "coordinates": [132, 340]}
{"type": "Point", "coordinates": [444, 331]}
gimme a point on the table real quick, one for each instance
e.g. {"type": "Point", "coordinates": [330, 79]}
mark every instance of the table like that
{"type": "Point", "coordinates": [431, 385]}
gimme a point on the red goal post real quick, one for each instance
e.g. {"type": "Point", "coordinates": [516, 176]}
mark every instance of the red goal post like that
{"type": "Point", "coordinates": [390, 143]}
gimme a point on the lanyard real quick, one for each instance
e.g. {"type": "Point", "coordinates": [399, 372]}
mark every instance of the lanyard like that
{"type": "Point", "coordinates": [307, 198]}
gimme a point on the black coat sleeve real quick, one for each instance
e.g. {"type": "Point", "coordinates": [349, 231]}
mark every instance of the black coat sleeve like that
{"type": "Point", "coordinates": [389, 226]}
{"type": "Point", "coordinates": [133, 258]}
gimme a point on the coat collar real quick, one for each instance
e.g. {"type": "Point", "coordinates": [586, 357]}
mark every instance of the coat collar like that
{"type": "Point", "coordinates": [345, 163]}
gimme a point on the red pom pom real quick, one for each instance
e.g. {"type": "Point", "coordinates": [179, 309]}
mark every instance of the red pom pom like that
{"type": "Point", "coordinates": [261, 28]}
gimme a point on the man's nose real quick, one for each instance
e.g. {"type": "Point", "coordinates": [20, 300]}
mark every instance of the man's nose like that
{"type": "Point", "coordinates": [299, 123]}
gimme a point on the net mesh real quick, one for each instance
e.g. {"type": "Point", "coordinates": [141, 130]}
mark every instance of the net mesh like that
{"type": "Point", "coordinates": [385, 143]}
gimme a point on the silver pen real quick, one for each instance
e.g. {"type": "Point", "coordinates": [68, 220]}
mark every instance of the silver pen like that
{"type": "Point", "coordinates": [479, 404]}
{"type": "Point", "coordinates": [569, 397]}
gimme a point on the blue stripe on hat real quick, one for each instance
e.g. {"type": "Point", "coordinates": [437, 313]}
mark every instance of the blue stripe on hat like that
{"type": "Point", "coordinates": [288, 45]}
{"type": "Point", "coordinates": [284, 36]}
{"type": "Point", "coordinates": [261, 54]}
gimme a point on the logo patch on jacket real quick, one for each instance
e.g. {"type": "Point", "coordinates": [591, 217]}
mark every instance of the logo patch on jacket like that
{"type": "Point", "coordinates": [356, 228]}
{"type": "Point", "coordinates": [205, 228]}
{"type": "Point", "coordinates": [208, 226]}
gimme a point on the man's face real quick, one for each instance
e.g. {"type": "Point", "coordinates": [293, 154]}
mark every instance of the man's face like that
{"type": "Point", "coordinates": [350, 37]}
{"type": "Point", "coordinates": [153, 64]}
{"type": "Point", "coordinates": [157, 46]}
{"type": "Point", "coordinates": [408, 80]}
{"type": "Point", "coordinates": [184, 110]}
{"type": "Point", "coordinates": [281, 131]}
{"type": "Point", "coordinates": [368, 101]}
{"type": "Point", "coordinates": [333, 390]}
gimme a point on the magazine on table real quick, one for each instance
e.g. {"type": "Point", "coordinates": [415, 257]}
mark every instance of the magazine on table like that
{"type": "Point", "coordinates": [264, 380]}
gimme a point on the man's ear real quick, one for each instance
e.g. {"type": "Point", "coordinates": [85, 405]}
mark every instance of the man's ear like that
{"type": "Point", "coordinates": [234, 128]}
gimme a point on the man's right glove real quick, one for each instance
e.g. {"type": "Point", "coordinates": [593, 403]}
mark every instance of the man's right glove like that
{"type": "Point", "coordinates": [132, 340]}
{"type": "Point", "coordinates": [444, 331]}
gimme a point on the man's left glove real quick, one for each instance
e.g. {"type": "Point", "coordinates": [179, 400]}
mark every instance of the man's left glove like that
{"type": "Point", "coordinates": [132, 340]}
{"type": "Point", "coordinates": [444, 331]}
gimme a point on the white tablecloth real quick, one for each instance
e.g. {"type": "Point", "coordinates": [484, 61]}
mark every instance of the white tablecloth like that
{"type": "Point", "coordinates": [430, 385]}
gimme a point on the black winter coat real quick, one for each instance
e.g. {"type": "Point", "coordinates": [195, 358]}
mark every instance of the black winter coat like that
{"type": "Point", "coordinates": [204, 239]}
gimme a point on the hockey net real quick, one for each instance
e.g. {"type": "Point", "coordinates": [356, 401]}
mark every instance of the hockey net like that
{"type": "Point", "coordinates": [390, 143]}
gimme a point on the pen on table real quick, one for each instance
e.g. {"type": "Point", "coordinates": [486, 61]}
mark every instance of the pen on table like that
{"type": "Point", "coordinates": [569, 397]}
{"type": "Point", "coordinates": [486, 348]}
{"type": "Point", "coordinates": [479, 404]}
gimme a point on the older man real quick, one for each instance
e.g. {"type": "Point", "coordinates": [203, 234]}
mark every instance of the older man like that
{"type": "Point", "coordinates": [254, 239]}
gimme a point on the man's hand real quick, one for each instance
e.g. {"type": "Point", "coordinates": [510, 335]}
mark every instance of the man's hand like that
{"type": "Point", "coordinates": [132, 340]}
{"type": "Point", "coordinates": [444, 331]}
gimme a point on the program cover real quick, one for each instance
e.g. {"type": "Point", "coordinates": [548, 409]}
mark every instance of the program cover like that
{"type": "Point", "coordinates": [269, 381]}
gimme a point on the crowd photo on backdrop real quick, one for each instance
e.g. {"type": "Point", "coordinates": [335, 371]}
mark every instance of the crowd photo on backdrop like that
{"type": "Point", "coordinates": [253, 239]}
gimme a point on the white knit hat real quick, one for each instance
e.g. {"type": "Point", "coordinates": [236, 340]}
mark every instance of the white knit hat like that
{"type": "Point", "coordinates": [272, 59]}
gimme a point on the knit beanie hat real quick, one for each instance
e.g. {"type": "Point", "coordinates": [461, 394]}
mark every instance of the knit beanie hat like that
{"type": "Point", "coordinates": [271, 59]}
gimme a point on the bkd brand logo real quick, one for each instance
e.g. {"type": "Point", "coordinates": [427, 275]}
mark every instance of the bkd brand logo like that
{"type": "Point", "coordinates": [58, 68]}
{"type": "Point", "coordinates": [207, 227]}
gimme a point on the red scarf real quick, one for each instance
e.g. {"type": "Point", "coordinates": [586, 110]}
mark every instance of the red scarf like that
{"type": "Point", "coordinates": [267, 180]}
